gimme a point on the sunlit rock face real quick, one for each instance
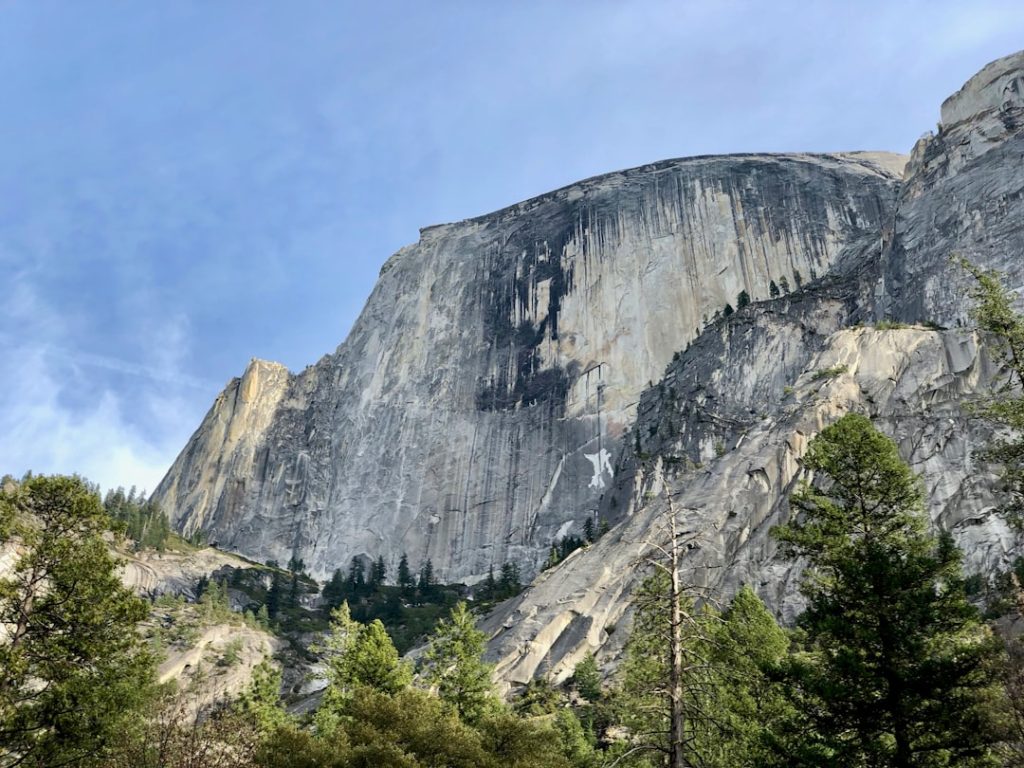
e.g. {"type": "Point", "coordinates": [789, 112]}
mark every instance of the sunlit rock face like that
{"type": "Point", "coordinates": [723, 429]}
{"type": "Point", "coordinates": [479, 407]}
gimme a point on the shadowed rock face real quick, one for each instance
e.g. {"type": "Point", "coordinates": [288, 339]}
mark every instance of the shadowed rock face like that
{"type": "Point", "coordinates": [475, 411]}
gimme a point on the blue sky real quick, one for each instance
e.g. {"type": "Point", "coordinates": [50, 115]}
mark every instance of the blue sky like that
{"type": "Point", "coordinates": [184, 186]}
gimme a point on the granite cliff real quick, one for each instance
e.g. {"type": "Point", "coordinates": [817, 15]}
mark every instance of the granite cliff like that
{"type": "Point", "coordinates": [685, 326]}
{"type": "Point", "coordinates": [477, 408]}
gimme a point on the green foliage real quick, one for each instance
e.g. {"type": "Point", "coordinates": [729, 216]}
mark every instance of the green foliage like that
{"type": "Point", "coordinates": [357, 656]}
{"type": "Point", "coordinates": [291, 747]}
{"type": "Point", "coordinates": [829, 373]}
{"type": "Point", "coordinates": [773, 289]}
{"type": "Point", "coordinates": [508, 585]}
{"type": "Point", "coordinates": [742, 300]}
{"type": "Point", "coordinates": [995, 314]}
{"type": "Point", "coordinates": [643, 701]}
{"type": "Point", "coordinates": [537, 698]}
{"type": "Point", "coordinates": [72, 666]}
{"type": "Point", "coordinates": [896, 668]}
{"type": "Point", "coordinates": [890, 325]}
{"type": "Point", "coordinates": [141, 520]}
{"type": "Point", "coordinates": [261, 701]}
{"type": "Point", "coordinates": [587, 678]}
{"type": "Point", "coordinates": [559, 550]}
{"type": "Point", "coordinates": [456, 668]}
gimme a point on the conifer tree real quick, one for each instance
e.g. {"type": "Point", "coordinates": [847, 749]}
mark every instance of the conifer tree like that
{"type": "Point", "coordinates": [372, 660]}
{"type": "Point", "coordinates": [380, 571]}
{"type": "Point", "coordinates": [898, 670]}
{"type": "Point", "coordinates": [587, 678]}
{"type": "Point", "coordinates": [340, 637]}
{"type": "Point", "coordinates": [995, 314]}
{"type": "Point", "coordinates": [261, 701]}
{"type": "Point", "coordinates": [73, 668]}
{"type": "Point", "coordinates": [456, 666]}
{"type": "Point", "coordinates": [356, 577]}
{"type": "Point", "coordinates": [405, 578]}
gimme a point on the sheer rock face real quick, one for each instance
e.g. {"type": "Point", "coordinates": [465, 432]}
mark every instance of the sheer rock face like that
{"type": "Point", "coordinates": [495, 391]}
{"type": "Point", "coordinates": [474, 412]}
{"type": "Point", "coordinates": [724, 428]}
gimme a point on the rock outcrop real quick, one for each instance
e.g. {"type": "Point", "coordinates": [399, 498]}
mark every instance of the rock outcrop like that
{"type": "Point", "coordinates": [724, 428]}
{"type": "Point", "coordinates": [474, 413]}
{"type": "Point", "coordinates": [682, 328]}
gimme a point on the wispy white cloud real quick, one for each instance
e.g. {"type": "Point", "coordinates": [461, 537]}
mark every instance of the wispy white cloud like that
{"type": "Point", "coordinates": [58, 415]}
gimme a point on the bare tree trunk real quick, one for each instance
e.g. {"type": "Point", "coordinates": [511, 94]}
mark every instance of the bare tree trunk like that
{"type": "Point", "coordinates": [677, 731]}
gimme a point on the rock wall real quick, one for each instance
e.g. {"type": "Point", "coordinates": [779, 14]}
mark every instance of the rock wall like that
{"type": "Point", "coordinates": [724, 428]}
{"type": "Point", "coordinates": [476, 410]}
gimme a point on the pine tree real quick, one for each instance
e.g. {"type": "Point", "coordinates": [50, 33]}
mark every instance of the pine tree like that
{"type": "Point", "coordinates": [587, 678]}
{"type": "Point", "coordinates": [588, 530]}
{"type": "Point", "coordinates": [897, 668]}
{"type": "Point", "coordinates": [340, 637]}
{"type": "Point", "coordinates": [261, 701]}
{"type": "Point", "coordinates": [73, 668]}
{"type": "Point", "coordinates": [773, 289]}
{"type": "Point", "coordinates": [456, 666]}
{"type": "Point", "coordinates": [742, 300]}
{"type": "Point", "coordinates": [380, 571]}
{"type": "Point", "coordinates": [274, 595]}
{"type": "Point", "coordinates": [995, 314]}
{"type": "Point", "coordinates": [509, 583]}
{"type": "Point", "coordinates": [334, 591]}
{"type": "Point", "coordinates": [405, 578]}
{"type": "Point", "coordinates": [356, 577]}
{"type": "Point", "coordinates": [372, 660]}
{"type": "Point", "coordinates": [426, 582]}
{"type": "Point", "coordinates": [263, 617]}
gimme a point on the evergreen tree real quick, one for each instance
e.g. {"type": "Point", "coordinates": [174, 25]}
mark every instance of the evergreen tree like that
{"type": "Point", "coordinates": [747, 650]}
{"type": "Point", "coordinates": [587, 678]}
{"type": "Point", "coordinates": [995, 314]}
{"type": "Point", "coordinates": [405, 578]}
{"type": "Point", "coordinates": [261, 701]}
{"type": "Point", "coordinates": [588, 530]}
{"type": "Point", "coordinates": [73, 668]}
{"type": "Point", "coordinates": [784, 285]}
{"type": "Point", "coordinates": [773, 289]}
{"type": "Point", "coordinates": [743, 299]}
{"type": "Point", "coordinates": [340, 637]}
{"type": "Point", "coordinates": [510, 584]}
{"type": "Point", "coordinates": [380, 571]}
{"type": "Point", "coordinates": [334, 591]}
{"type": "Point", "coordinates": [426, 582]}
{"type": "Point", "coordinates": [356, 577]}
{"type": "Point", "coordinates": [274, 595]}
{"type": "Point", "coordinates": [373, 662]}
{"type": "Point", "coordinates": [667, 675]}
{"type": "Point", "coordinates": [456, 666]}
{"type": "Point", "coordinates": [898, 670]}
